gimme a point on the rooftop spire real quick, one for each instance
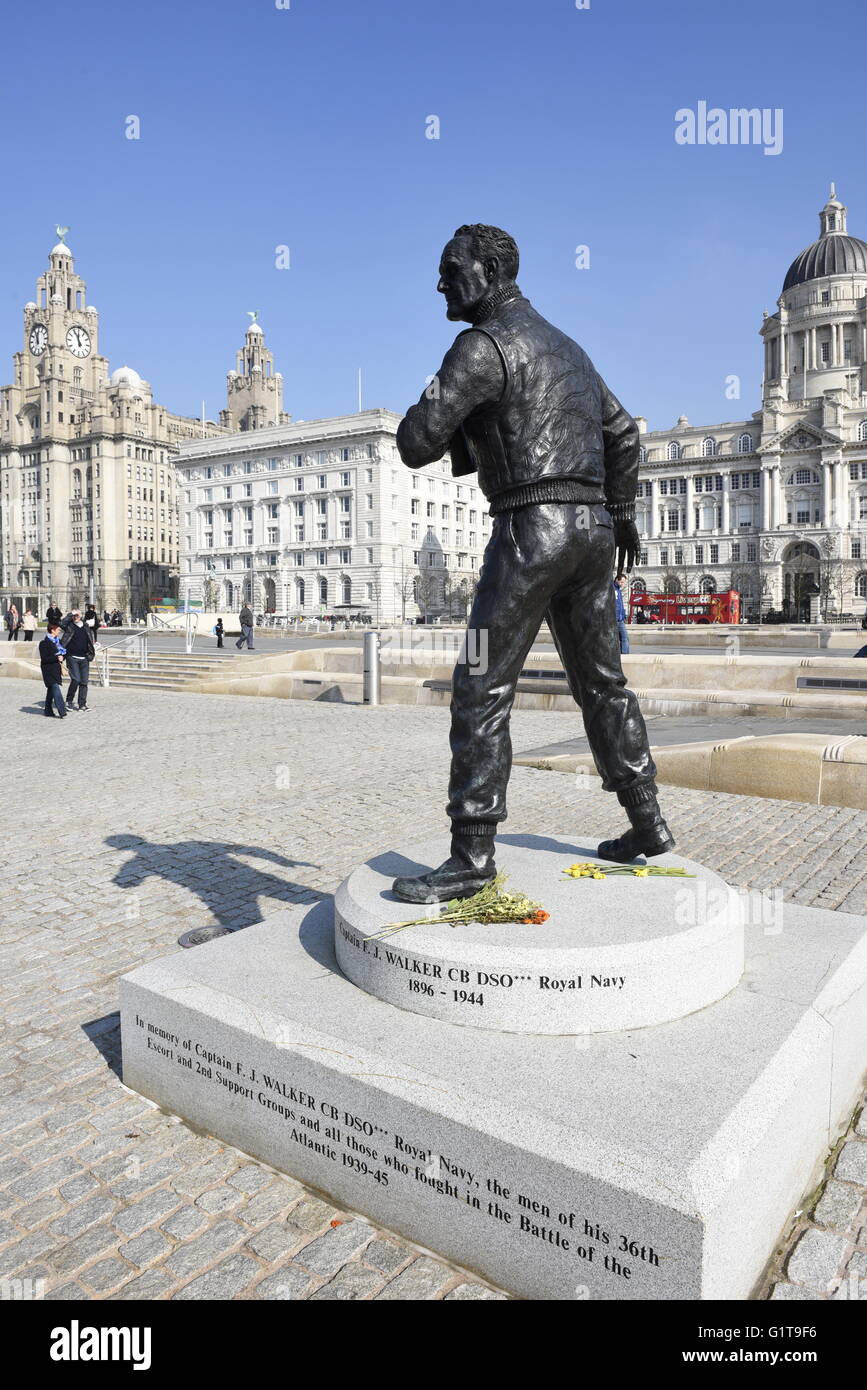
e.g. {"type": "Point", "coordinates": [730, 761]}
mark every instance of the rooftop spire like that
{"type": "Point", "coordinates": [832, 218]}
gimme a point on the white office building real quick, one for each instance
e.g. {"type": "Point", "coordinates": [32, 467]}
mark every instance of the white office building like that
{"type": "Point", "coordinates": [322, 517]}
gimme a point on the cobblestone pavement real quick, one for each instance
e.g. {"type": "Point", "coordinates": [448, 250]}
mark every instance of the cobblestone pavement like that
{"type": "Point", "coordinates": [161, 812]}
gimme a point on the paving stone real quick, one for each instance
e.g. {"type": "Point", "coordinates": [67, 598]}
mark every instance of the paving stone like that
{"type": "Point", "coordinates": [311, 1214]}
{"type": "Point", "coordinates": [353, 1281]}
{"type": "Point", "coordinates": [838, 1205]}
{"type": "Point", "coordinates": [184, 1223]}
{"type": "Point", "coordinates": [268, 1203]}
{"type": "Point", "coordinates": [816, 1259]}
{"type": "Point", "coordinates": [385, 1255]}
{"type": "Point", "coordinates": [35, 1213]}
{"type": "Point", "coordinates": [476, 1292]}
{"type": "Point", "coordinates": [795, 1293]}
{"type": "Point", "coordinates": [186, 1259]}
{"type": "Point", "coordinates": [154, 1283]}
{"type": "Point", "coordinates": [219, 1199]}
{"type": "Point", "coordinates": [78, 1218]}
{"type": "Point", "coordinates": [289, 1283]}
{"type": "Point", "coordinates": [75, 1253]}
{"type": "Point", "coordinates": [105, 1275]}
{"type": "Point", "coordinates": [852, 1162]}
{"type": "Point", "coordinates": [325, 1255]}
{"type": "Point", "coordinates": [65, 1293]}
{"type": "Point", "coordinates": [228, 1280]}
{"type": "Point", "coordinates": [420, 1281]}
{"type": "Point", "coordinates": [150, 1210]}
{"type": "Point", "coordinates": [78, 1187]}
{"type": "Point", "coordinates": [145, 1249]}
{"type": "Point", "coordinates": [251, 1178]}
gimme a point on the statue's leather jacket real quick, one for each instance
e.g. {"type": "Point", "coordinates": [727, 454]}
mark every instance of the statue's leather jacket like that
{"type": "Point", "coordinates": [557, 433]}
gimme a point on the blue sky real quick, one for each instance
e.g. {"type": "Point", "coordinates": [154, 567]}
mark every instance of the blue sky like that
{"type": "Point", "coordinates": [305, 127]}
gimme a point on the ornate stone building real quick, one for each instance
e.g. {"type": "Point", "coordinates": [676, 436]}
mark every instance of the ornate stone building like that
{"type": "Point", "coordinates": [776, 505]}
{"type": "Point", "coordinates": [88, 497]}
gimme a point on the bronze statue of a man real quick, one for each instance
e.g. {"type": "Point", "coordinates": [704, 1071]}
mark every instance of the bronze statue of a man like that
{"type": "Point", "coordinates": [519, 403]}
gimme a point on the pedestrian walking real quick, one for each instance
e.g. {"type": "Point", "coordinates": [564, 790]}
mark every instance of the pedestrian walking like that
{"type": "Point", "coordinates": [51, 653]}
{"type": "Point", "coordinates": [54, 614]}
{"type": "Point", "coordinates": [80, 651]}
{"type": "Point", "coordinates": [29, 625]}
{"type": "Point", "coordinates": [91, 621]}
{"type": "Point", "coordinates": [13, 623]}
{"type": "Point", "coordinates": [219, 631]}
{"type": "Point", "coordinates": [246, 617]}
{"type": "Point", "coordinates": [620, 609]}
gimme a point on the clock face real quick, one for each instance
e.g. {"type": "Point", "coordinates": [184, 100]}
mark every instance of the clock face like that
{"type": "Point", "coordinates": [38, 339]}
{"type": "Point", "coordinates": [78, 341]}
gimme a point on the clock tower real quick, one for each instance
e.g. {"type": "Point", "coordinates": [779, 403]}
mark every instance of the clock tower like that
{"type": "Point", "coordinates": [88, 498]}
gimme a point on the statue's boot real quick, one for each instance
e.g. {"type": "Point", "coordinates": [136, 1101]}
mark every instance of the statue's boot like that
{"type": "Point", "coordinates": [468, 868]}
{"type": "Point", "coordinates": [648, 834]}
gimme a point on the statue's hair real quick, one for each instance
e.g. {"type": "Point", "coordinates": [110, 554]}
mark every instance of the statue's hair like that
{"type": "Point", "coordinates": [493, 241]}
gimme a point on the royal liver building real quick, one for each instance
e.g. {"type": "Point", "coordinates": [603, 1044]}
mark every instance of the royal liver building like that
{"type": "Point", "coordinates": [776, 506]}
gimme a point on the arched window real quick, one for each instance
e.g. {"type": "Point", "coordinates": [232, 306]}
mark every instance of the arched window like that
{"type": "Point", "coordinates": [861, 585]}
{"type": "Point", "coordinates": [708, 447]}
{"type": "Point", "coordinates": [638, 586]}
{"type": "Point", "coordinates": [707, 585]}
{"type": "Point", "coordinates": [671, 585]}
{"type": "Point", "coordinates": [323, 591]}
{"type": "Point", "coordinates": [862, 430]}
{"type": "Point", "coordinates": [299, 592]}
{"type": "Point", "coordinates": [347, 589]}
{"type": "Point", "coordinates": [642, 454]}
{"type": "Point", "coordinates": [76, 482]}
{"type": "Point", "coordinates": [745, 444]}
{"type": "Point", "coordinates": [674, 449]}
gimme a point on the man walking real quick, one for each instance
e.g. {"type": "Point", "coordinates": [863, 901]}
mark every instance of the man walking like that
{"type": "Point", "coordinates": [80, 651]}
{"type": "Point", "coordinates": [54, 614]}
{"type": "Point", "coordinates": [520, 404]}
{"type": "Point", "coordinates": [620, 610]}
{"type": "Point", "coordinates": [246, 617]}
{"type": "Point", "coordinates": [50, 655]}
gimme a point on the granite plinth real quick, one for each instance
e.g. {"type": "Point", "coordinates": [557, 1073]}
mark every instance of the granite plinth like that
{"type": "Point", "coordinates": [621, 952]}
{"type": "Point", "coordinates": [659, 1163]}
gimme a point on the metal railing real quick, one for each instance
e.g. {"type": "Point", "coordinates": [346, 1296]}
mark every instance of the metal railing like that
{"type": "Point", "coordinates": [189, 620]}
{"type": "Point", "coordinates": [134, 645]}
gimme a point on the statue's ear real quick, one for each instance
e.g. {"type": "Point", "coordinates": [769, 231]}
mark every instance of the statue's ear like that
{"type": "Point", "coordinates": [491, 267]}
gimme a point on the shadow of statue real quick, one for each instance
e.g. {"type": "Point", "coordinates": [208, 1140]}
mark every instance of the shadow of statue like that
{"type": "Point", "coordinates": [229, 888]}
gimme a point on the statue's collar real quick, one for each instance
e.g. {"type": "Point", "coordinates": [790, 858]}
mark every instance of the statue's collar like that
{"type": "Point", "coordinates": [493, 301]}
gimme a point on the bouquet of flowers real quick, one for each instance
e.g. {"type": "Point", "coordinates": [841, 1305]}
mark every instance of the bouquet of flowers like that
{"type": "Point", "coordinates": [491, 904]}
{"type": "Point", "coordinates": [597, 870]}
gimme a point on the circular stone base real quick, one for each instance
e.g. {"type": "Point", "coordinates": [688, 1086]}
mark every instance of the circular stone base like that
{"type": "Point", "coordinates": [618, 953]}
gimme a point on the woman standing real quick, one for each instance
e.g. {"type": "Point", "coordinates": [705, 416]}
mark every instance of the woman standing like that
{"type": "Point", "coordinates": [13, 623]}
{"type": "Point", "coordinates": [29, 625]}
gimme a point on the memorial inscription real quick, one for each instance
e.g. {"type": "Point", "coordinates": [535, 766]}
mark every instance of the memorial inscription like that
{"type": "Point", "coordinates": [321, 1124]}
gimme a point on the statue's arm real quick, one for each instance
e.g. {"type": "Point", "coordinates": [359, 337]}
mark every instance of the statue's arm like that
{"type": "Point", "coordinates": [471, 375]}
{"type": "Point", "coordinates": [620, 440]}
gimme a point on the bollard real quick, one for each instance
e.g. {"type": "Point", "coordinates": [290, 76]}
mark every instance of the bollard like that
{"type": "Point", "coordinates": [371, 668]}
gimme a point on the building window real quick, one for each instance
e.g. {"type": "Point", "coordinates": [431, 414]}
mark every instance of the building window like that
{"type": "Point", "coordinates": [745, 444]}
{"type": "Point", "coordinates": [708, 447]}
{"type": "Point", "coordinates": [674, 449]}
{"type": "Point", "coordinates": [714, 554]}
{"type": "Point", "coordinates": [826, 351]}
{"type": "Point", "coordinates": [699, 555]}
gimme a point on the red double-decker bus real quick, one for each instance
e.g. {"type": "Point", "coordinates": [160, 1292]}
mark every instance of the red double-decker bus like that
{"type": "Point", "coordinates": [685, 608]}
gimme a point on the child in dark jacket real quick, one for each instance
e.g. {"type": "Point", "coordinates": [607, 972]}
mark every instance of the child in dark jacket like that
{"type": "Point", "coordinates": [218, 631]}
{"type": "Point", "coordinates": [50, 655]}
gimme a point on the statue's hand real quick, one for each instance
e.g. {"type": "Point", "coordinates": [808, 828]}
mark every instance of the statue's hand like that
{"type": "Point", "coordinates": [627, 546]}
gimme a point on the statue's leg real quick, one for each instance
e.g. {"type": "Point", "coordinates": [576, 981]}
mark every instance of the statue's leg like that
{"type": "Point", "coordinates": [523, 563]}
{"type": "Point", "coordinates": [584, 627]}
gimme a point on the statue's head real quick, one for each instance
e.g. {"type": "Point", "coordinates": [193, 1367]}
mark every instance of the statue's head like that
{"type": "Point", "coordinates": [476, 261]}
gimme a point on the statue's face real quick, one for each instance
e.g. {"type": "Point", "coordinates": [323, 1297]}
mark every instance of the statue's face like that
{"type": "Point", "coordinates": [464, 281]}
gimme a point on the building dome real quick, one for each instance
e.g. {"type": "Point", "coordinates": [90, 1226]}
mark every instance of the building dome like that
{"type": "Point", "coordinates": [61, 249]}
{"type": "Point", "coordinates": [255, 328]}
{"type": "Point", "coordinates": [835, 252]}
{"type": "Point", "coordinates": [125, 376]}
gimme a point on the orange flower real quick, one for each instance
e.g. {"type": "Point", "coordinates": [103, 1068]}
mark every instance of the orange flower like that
{"type": "Point", "coordinates": [537, 918]}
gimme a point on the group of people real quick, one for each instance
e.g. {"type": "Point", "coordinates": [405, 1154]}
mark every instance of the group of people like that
{"type": "Point", "coordinates": [70, 640]}
{"type": "Point", "coordinates": [16, 622]}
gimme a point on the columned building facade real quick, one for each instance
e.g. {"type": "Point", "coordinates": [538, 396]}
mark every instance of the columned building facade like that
{"type": "Point", "coordinates": [321, 517]}
{"type": "Point", "coordinates": [776, 505]}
